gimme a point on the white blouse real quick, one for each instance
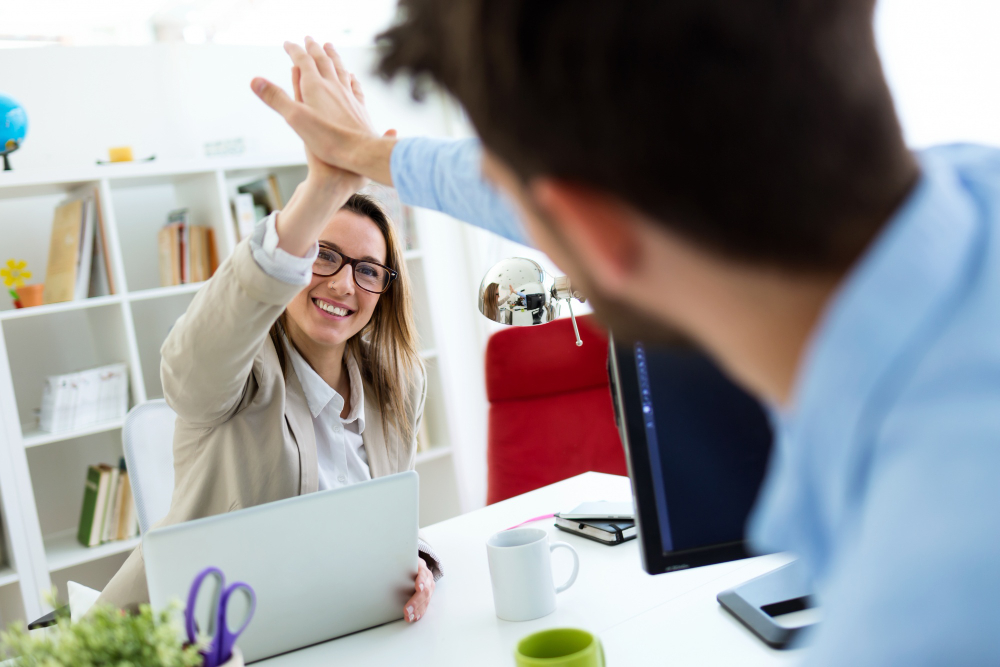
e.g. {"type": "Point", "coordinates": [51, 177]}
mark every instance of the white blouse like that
{"type": "Point", "coordinates": [340, 451]}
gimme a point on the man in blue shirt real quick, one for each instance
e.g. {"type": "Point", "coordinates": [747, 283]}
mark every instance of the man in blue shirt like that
{"type": "Point", "coordinates": [735, 171]}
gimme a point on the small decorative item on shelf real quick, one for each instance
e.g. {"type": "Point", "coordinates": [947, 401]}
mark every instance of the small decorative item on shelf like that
{"type": "Point", "coordinates": [13, 127]}
{"type": "Point", "coordinates": [105, 636]}
{"type": "Point", "coordinates": [77, 400]}
{"type": "Point", "coordinates": [14, 275]}
{"type": "Point", "coordinates": [123, 154]}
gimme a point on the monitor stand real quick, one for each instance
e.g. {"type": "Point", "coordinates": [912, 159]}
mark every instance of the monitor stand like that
{"type": "Point", "coordinates": [775, 606]}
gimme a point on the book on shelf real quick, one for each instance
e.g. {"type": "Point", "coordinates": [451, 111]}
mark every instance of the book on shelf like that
{"type": "Point", "coordinates": [108, 512]}
{"type": "Point", "coordinates": [187, 253]}
{"type": "Point", "coordinates": [255, 201]}
{"type": "Point", "coordinates": [78, 265]}
{"type": "Point", "coordinates": [244, 214]}
{"type": "Point", "coordinates": [73, 401]}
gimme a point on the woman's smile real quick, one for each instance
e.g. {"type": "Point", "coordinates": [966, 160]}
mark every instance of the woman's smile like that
{"type": "Point", "coordinates": [332, 309]}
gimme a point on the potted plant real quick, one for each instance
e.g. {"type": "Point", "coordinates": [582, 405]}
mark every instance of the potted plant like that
{"type": "Point", "coordinates": [106, 636]}
{"type": "Point", "coordinates": [14, 274]}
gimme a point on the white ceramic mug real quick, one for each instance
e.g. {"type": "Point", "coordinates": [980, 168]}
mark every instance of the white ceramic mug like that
{"type": "Point", "coordinates": [521, 572]}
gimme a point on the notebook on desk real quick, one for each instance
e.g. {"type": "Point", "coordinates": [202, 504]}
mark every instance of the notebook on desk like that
{"type": "Point", "coordinates": [606, 532]}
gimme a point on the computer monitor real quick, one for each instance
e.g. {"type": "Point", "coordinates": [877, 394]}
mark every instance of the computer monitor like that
{"type": "Point", "coordinates": [697, 448]}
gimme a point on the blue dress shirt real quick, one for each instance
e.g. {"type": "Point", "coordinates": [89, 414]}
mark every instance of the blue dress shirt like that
{"type": "Point", "coordinates": [885, 478]}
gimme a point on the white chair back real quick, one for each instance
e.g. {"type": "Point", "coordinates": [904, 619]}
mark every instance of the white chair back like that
{"type": "Point", "coordinates": [148, 439]}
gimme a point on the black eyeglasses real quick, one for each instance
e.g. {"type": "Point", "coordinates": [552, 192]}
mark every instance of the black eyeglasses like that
{"type": "Point", "coordinates": [369, 276]}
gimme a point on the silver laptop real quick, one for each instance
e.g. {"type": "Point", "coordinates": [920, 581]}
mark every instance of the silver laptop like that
{"type": "Point", "coordinates": [322, 565]}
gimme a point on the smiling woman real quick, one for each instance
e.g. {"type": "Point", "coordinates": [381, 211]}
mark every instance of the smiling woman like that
{"type": "Point", "coordinates": [295, 367]}
{"type": "Point", "coordinates": [363, 304]}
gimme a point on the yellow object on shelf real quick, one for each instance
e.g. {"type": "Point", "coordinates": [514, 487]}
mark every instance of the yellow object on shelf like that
{"type": "Point", "coordinates": [120, 154]}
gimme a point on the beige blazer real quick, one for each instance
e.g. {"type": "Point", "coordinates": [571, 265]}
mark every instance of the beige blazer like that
{"type": "Point", "coordinates": [244, 434]}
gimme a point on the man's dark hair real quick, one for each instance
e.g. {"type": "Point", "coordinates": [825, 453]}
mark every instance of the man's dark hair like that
{"type": "Point", "coordinates": [762, 129]}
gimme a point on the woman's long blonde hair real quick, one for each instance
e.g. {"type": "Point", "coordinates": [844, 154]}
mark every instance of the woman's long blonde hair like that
{"type": "Point", "coordinates": [388, 359]}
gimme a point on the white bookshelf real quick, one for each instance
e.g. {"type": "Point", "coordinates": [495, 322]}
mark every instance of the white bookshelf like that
{"type": "Point", "coordinates": [42, 474]}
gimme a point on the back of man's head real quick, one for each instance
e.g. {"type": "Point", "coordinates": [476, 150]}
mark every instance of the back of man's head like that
{"type": "Point", "coordinates": [762, 129]}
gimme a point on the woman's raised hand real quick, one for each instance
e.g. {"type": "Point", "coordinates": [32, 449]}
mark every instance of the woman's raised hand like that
{"type": "Point", "coordinates": [329, 112]}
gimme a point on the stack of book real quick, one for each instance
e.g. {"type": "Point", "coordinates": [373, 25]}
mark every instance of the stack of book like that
{"type": "Point", "coordinates": [187, 252]}
{"type": "Point", "coordinates": [108, 512]}
{"type": "Point", "coordinates": [77, 400]}
{"type": "Point", "coordinates": [255, 201]}
{"type": "Point", "coordinates": [78, 264]}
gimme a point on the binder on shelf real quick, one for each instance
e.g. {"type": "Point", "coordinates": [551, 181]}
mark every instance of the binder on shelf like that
{"type": "Point", "coordinates": [78, 266]}
{"type": "Point", "coordinates": [64, 251]}
{"type": "Point", "coordinates": [244, 214]}
{"type": "Point", "coordinates": [77, 400]}
{"type": "Point", "coordinates": [94, 498]}
{"type": "Point", "coordinates": [109, 505]}
{"type": "Point", "coordinates": [104, 278]}
{"type": "Point", "coordinates": [265, 193]}
{"type": "Point", "coordinates": [86, 255]}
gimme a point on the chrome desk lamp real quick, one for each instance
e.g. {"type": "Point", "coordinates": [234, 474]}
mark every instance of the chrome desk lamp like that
{"type": "Point", "coordinates": [518, 292]}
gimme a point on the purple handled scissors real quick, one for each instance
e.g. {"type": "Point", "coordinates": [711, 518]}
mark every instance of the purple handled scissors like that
{"type": "Point", "coordinates": [216, 627]}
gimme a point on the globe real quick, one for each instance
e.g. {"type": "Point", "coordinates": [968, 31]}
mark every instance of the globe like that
{"type": "Point", "coordinates": [13, 127]}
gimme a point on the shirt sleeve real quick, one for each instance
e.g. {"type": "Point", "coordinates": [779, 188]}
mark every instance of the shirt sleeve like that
{"type": "Point", "coordinates": [446, 175]}
{"type": "Point", "coordinates": [275, 262]}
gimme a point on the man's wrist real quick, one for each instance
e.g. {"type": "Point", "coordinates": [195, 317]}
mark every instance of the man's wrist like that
{"type": "Point", "coordinates": [370, 155]}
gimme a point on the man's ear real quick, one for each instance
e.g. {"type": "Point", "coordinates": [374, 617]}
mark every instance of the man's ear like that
{"type": "Point", "coordinates": [602, 229]}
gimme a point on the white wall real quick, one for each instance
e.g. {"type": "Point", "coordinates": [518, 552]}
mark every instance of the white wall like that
{"type": "Point", "coordinates": [942, 60]}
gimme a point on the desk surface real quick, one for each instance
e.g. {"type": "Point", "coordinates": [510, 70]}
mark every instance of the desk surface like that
{"type": "Point", "coordinates": [641, 619]}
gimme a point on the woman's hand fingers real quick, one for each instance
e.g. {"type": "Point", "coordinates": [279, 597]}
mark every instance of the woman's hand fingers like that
{"type": "Point", "coordinates": [338, 64]}
{"type": "Point", "coordinates": [323, 63]}
{"type": "Point", "coordinates": [297, 83]}
{"type": "Point", "coordinates": [273, 96]}
{"type": "Point", "coordinates": [356, 89]}
{"type": "Point", "coordinates": [417, 605]}
{"type": "Point", "coordinates": [301, 58]}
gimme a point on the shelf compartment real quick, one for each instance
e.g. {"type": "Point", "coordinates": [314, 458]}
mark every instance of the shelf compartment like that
{"type": "Point", "coordinates": [141, 207]}
{"type": "Point", "coordinates": [434, 409]}
{"type": "Point", "coordinates": [8, 576]}
{"type": "Point", "coordinates": [161, 292]}
{"type": "Point", "coordinates": [26, 223]}
{"type": "Point", "coordinates": [36, 437]}
{"type": "Point", "coordinates": [422, 300]}
{"type": "Point", "coordinates": [433, 454]}
{"type": "Point", "coordinates": [153, 320]}
{"type": "Point", "coordinates": [62, 342]}
{"type": "Point", "coordinates": [59, 476]}
{"type": "Point", "coordinates": [288, 177]}
{"type": "Point", "coordinates": [55, 308]}
{"type": "Point", "coordinates": [63, 551]}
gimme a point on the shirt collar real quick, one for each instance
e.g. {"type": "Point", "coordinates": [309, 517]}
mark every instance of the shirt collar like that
{"type": "Point", "coordinates": [319, 394]}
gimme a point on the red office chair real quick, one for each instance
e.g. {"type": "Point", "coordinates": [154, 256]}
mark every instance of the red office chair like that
{"type": "Point", "coordinates": [551, 415]}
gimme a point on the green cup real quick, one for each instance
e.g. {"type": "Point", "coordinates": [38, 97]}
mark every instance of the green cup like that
{"type": "Point", "coordinates": [560, 647]}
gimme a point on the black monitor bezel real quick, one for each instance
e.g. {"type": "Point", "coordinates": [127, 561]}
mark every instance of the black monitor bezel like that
{"type": "Point", "coordinates": [624, 378]}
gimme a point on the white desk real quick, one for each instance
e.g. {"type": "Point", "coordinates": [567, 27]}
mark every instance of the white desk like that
{"type": "Point", "coordinates": [669, 619]}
